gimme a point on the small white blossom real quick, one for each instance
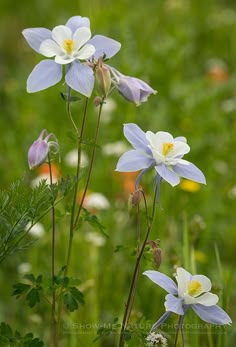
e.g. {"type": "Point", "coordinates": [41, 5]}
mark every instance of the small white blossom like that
{"type": "Point", "coordinates": [155, 339]}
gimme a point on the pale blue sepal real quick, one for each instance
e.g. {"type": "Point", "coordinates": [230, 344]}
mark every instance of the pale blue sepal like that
{"type": "Point", "coordinates": [136, 137]}
{"type": "Point", "coordinates": [190, 172]}
{"type": "Point", "coordinates": [174, 304]}
{"type": "Point", "coordinates": [161, 320]}
{"type": "Point", "coordinates": [78, 22]}
{"type": "Point", "coordinates": [167, 174]}
{"type": "Point", "coordinates": [162, 281]}
{"type": "Point", "coordinates": [44, 75]}
{"type": "Point", "coordinates": [80, 77]}
{"type": "Point", "coordinates": [133, 161]}
{"type": "Point", "coordinates": [35, 36]}
{"type": "Point", "coordinates": [212, 314]}
{"type": "Point", "coordinates": [104, 46]}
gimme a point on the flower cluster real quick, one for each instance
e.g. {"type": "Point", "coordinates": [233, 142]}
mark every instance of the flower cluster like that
{"type": "Point", "coordinates": [155, 339]}
{"type": "Point", "coordinates": [190, 291]}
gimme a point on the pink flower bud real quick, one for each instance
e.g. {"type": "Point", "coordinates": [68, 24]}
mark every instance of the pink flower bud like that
{"type": "Point", "coordinates": [39, 150]}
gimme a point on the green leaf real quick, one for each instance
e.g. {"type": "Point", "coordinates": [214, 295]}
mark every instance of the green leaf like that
{"type": "Point", "coordinates": [68, 98]}
{"type": "Point", "coordinates": [20, 288]}
{"type": "Point", "coordinates": [72, 298]}
{"type": "Point", "coordinates": [33, 297]}
{"type": "Point", "coordinates": [93, 221]}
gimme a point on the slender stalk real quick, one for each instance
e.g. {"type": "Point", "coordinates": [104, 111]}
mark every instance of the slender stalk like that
{"type": "Point", "coordinates": [179, 328]}
{"type": "Point", "coordinates": [90, 165]}
{"type": "Point", "coordinates": [54, 324]}
{"type": "Point", "coordinates": [134, 280]}
{"type": "Point", "coordinates": [69, 249]}
{"type": "Point", "coordinates": [80, 137]}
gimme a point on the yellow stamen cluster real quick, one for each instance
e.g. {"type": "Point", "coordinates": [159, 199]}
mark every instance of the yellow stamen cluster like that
{"type": "Point", "coordinates": [69, 46]}
{"type": "Point", "coordinates": [167, 147]}
{"type": "Point", "coordinates": [194, 288]}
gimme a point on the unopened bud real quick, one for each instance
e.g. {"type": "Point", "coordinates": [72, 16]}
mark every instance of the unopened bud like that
{"type": "Point", "coordinates": [39, 150]}
{"type": "Point", "coordinates": [134, 199]}
{"type": "Point", "coordinates": [97, 101]}
{"type": "Point", "coordinates": [103, 77]}
{"type": "Point", "coordinates": [156, 252]}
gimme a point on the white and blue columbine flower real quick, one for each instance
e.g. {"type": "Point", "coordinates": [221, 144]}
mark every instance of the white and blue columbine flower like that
{"type": "Point", "coordinates": [191, 291]}
{"type": "Point", "coordinates": [161, 151]}
{"type": "Point", "coordinates": [70, 45]}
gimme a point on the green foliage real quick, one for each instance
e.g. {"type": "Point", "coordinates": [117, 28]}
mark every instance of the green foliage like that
{"type": "Point", "coordinates": [30, 291]}
{"type": "Point", "coordinates": [8, 338]}
{"type": "Point", "coordinates": [21, 207]}
{"type": "Point", "coordinates": [73, 298]}
{"type": "Point", "coordinates": [93, 220]}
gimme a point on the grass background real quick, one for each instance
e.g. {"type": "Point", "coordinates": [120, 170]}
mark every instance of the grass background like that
{"type": "Point", "coordinates": [185, 50]}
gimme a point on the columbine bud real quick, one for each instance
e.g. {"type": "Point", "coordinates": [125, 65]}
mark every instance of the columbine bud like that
{"type": "Point", "coordinates": [131, 88]}
{"type": "Point", "coordinates": [39, 150]}
{"type": "Point", "coordinates": [156, 252]}
{"type": "Point", "coordinates": [134, 199]}
{"type": "Point", "coordinates": [103, 77]}
{"type": "Point", "coordinates": [97, 101]}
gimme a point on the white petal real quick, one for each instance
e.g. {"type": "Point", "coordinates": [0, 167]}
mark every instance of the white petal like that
{"type": "Point", "coordinates": [183, 277]}
{"type": "Point", "coordinates": [85, 52]}
{"type": "Point", "coordinates": [64, 59]}
{"type": "Point", "coordinates": [80, 37]}
{"type": "Point", "coordinates": [156, 140]}
{"type": "Point", "coordinates": [180, 148]}
{"type": "Point", "coordinates": [61, 33]}
{"type": "Point", "coordinates": [205, 282]}
{"type": "Point", "coordinates": [50, 48]}
{"type": "Point", "coordinates": [35, 36]}
{"type": "Point", "coordinates": [207, 299]}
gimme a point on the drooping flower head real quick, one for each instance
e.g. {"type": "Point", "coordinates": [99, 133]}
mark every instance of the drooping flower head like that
{"type": "Point", "coordinates": [161, 151]}
{"type": "Point", "coordinates": [131, 88]}
{"type": "Point", "coordinates": [39, 150]}
{"type": "Point", "coordinates": [69, 45]}
{"type": "Point", "coordinates": [190, 291]}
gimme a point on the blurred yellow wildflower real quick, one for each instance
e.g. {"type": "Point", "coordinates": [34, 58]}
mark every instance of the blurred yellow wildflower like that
{"type": "Point", "coordinates": [189, 186]}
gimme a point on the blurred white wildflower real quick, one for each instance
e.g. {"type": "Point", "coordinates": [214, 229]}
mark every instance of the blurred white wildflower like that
{"type": "Point", "coordinates": [108, 107]}
{"type": "Point", "coordinates": [228, 105]}
{"type": "Point", "coordinates": [24, 268]}
{"type": "Point", "coordinates": [35, 182]}
{"type": "Point", "coordinates": [97, 201]}
{"type": "Point", "coordinates": [37, 230]}
{"type": "Point", "coordinates": [95, 238]}
{"type": "Point", "coordinates": [155, 339]}
{"type": "Point", "coordinates": [115, 148]}
{"type": "Point", "coordinates": [72, 157]}
{"type": "Point", "coordinates": [232, 193]}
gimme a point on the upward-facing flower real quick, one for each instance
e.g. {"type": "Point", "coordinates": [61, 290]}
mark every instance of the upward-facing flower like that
{"type": "Point", "coordinates": [190, 291]}
{"type": "Point", "coordinates": [131, 88]}
{"type": "Point", "coordinates": [161, 151]}
{"type": "Point", "coordinates": [70, 45]}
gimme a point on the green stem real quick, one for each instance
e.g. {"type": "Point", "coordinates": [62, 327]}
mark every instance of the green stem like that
{"type": "Point", "coordinates": [90, 165]}
{"type": "Point", "coordinates": [54, 323]}
{"type": "Point", "coordinates": [74, 203]}
{"type": "Point", "coordinates": [179, 328]}
{"type": "Point", "coordinates": [69, 249]}
{"type": "Point", "coordinates": [134, 280]}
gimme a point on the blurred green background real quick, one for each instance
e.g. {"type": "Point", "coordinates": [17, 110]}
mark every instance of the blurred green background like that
{"type": "Point", "coordinates": [184, 49]}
